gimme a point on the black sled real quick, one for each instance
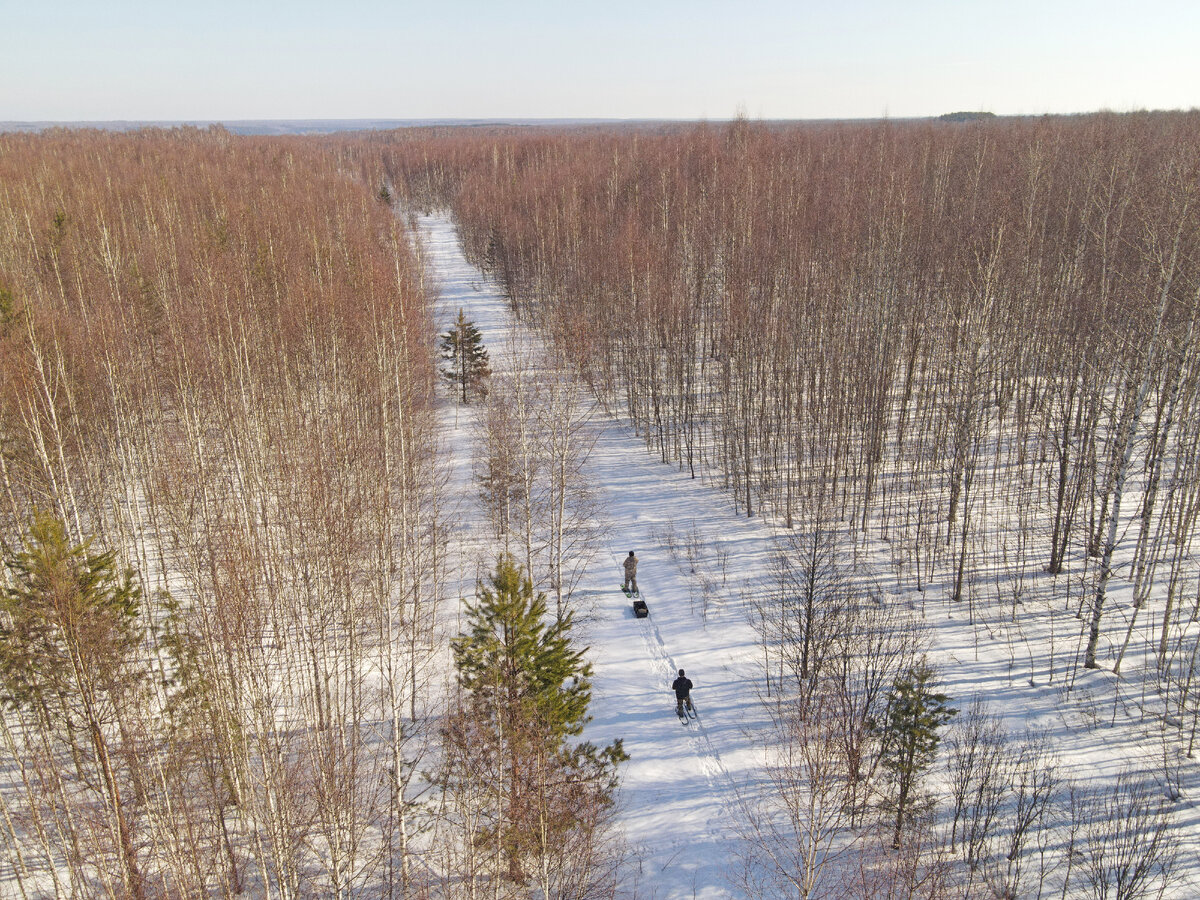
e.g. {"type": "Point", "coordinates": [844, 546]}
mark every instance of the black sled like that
{"type": "Point", "coordinates": [640, 609]}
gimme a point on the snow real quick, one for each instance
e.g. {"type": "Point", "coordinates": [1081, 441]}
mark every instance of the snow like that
{"type": "Point", "coordinates": [680, 788]}
{"type": "Point", "coordinates": [684, 789]}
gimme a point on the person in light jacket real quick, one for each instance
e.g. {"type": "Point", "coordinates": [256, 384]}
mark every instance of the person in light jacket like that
{"type": "Point", "coordinates": [630, 585]}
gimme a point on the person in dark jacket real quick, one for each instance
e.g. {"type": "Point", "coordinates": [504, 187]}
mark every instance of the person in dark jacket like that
{"type": "Point", "coordinates": [630, 573]}
{"type": "Point", "coordinates": [683, 693]}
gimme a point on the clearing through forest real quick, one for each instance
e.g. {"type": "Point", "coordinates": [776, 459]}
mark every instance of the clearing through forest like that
{"type": "Point", "coordinates": [681, 787]}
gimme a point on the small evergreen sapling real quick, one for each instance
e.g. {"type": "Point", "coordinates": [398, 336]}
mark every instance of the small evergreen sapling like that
{"type": "Point", "coordinates": [466, 358]}
{"type": "Point", "coordinates": [915, 714]}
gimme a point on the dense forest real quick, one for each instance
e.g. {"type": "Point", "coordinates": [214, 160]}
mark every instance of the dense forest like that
{"type": "Point", "coordinates": [972, 344]}
{"type": "Point", "coordinates": [903, 327]}
{"type": "Point", "coordinates": [215, 365]}
{"type": "Point", "coordinates": [225, 662]}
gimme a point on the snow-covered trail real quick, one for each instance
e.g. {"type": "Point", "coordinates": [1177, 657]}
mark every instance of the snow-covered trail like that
{"type": "Point", "coordinates": [684, 789]}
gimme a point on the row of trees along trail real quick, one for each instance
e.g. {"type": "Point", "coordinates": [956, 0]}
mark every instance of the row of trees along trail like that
{"type": "Point", "coordinates": [216, 360]}
{"type": "Point", "coordinates": [925, 330]}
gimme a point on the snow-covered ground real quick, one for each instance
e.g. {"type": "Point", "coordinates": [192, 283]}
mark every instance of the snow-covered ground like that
{"type": "Point", "coordinates": [684, 789]}
{"type": "Point", "coordinates": [681, 786]}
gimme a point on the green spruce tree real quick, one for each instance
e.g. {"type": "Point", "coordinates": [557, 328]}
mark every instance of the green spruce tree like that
{"type": "Point", "coordinates": [466, 358]}
{"type": "Point", "coordinates": [69, 614]}
{"type": "Point", "coordinates": [70, 636]}
{"type": "Point", "coordinates": [915, 714]}
{"type": "Point", "coordinates": [8, 308]}
{"type": "Point", "coordinates": [526, 690]}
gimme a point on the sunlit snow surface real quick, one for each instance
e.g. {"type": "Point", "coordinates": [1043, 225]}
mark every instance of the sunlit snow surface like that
{"type": "Point", "coordinates": [685, 789]}
{"type": "Point", "coordinates": [680, 789]}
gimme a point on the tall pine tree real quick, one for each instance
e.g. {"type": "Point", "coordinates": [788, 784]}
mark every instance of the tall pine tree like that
{"type": "Point", "coordinates": [70, 635]}
{"type": "Point", "coordinates": [466, 357]}
{"type": "Point", "coordinates": [526, 690]}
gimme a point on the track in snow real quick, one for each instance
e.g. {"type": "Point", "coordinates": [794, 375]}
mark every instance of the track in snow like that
{"type": "Point", "coordinates": [681, 790]}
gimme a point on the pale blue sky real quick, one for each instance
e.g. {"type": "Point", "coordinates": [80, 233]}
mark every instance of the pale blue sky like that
{"type": "Point", "coordinates": [64, 60]}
